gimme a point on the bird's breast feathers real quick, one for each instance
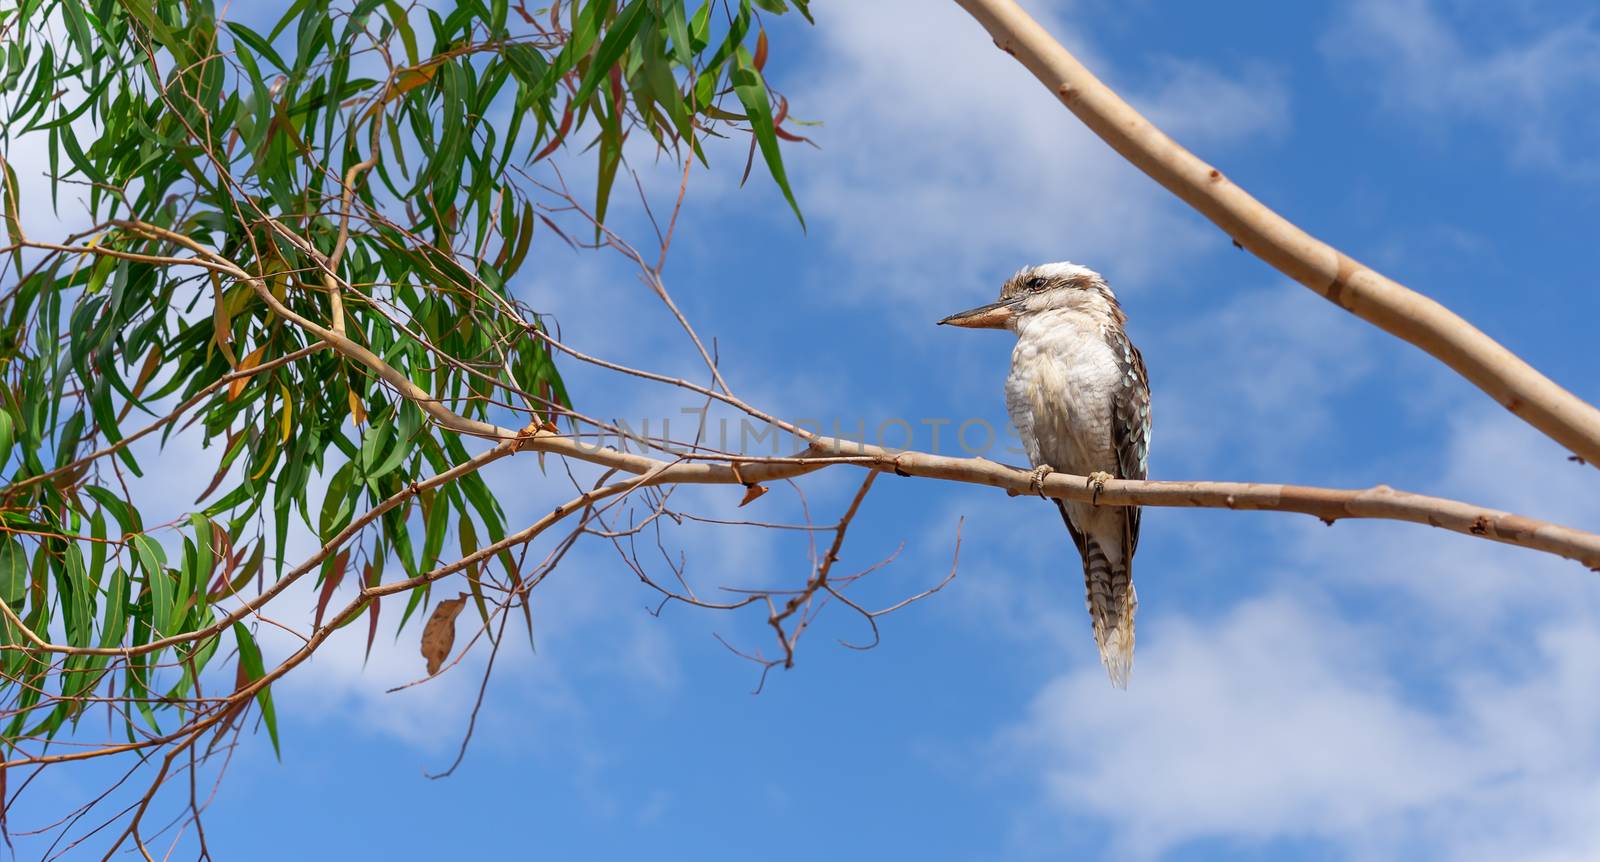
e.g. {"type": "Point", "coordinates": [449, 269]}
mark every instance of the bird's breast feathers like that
{"type": "Point", "coordinates": [1059, 394]}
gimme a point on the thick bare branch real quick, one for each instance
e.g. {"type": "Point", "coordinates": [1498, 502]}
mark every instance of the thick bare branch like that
{"type": "Point", "coordinates": [1381, 301]}
{"type": "Point", "coordinates": [1327, 504]}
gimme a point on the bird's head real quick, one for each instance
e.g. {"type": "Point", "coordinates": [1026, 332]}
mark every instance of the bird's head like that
{"type": "Point", "coordinates": [1035, 290]}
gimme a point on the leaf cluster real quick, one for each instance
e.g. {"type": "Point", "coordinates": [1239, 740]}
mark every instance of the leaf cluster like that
{"type": "Point", "coordinates": [372, 166]}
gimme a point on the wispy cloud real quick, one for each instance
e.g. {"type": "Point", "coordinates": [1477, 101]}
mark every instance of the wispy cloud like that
{"type": "Point", "coordinates": [1253, 380]}
{"type": "Point", "coordinates": [1534, 87]}
{"type": "Point", "coordinates": [1392, 691]}
{"type": "Point", "coordinates": [1280, 722]}
{"type": "Point", "coordinates": [1199, 104]}
{"type": "Point", "coordinates": [945, 165]}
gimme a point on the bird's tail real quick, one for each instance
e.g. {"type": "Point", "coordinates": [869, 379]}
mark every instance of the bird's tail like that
{"type": "Point", "coordinates": [1112, 603]}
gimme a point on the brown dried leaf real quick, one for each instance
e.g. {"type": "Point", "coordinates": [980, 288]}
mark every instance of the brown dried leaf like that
{"type": "Point", "coordinates": [752, 492]}
{"type": "Point", "coordinates": [151, 363]}
{"type": "Point", "coordinates": [221, 323]}
{"type": "Point", "coordinates": [358, 411]}
{"type": "Point", "coordinates": [230, 714]}
{"type": "Point", "coordinates": [439, 635]}
{"type": "Point", "coordinates": [222, 472]}
{"type": "Point", "coordinates": [250, 361]}
{"type": "Point", "coordinates": [409, 79]}
{"type": "Point", "coordinates": [223, 560]}
{"type": "Point", "coordinates": [777, 124]}
{"type": "Point", "coordinates": [560, 135]}
{"type": "Point", "coordinates": [552, 225]}
{"type": "Point", "coordinates": [340, 564]}
{"type": "Point", "coordinates": [616, 85]}
{"type": "Point", "coordinates": [372, 627]}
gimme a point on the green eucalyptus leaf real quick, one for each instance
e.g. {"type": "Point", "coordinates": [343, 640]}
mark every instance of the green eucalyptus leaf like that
{"type": "Point", "coordinates": [752, 92]}
{"type": "Point", "coordinates": [240, 138]}
{"type": "Point", "coordinates": [13, 571]}
{"type": "Point", "coordinates": [255, 669]}
{"type": "Point", "coordinates": [7, 438]}
{"type": "Point", "coordinates": [616, 40]}
{"type": "Point", "coordinates": [159, 583]}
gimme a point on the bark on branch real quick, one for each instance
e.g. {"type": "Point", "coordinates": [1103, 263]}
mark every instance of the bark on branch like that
{"type": "Point", "coordinates": [1335, 276]}
{"type": "Point", "coordinates": [1328, 504]}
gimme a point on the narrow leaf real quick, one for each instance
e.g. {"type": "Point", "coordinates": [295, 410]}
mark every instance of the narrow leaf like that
{"type": "Point", "coordinates": [250, 660]}
{"type": "Point", "coordinates": [752, 92]}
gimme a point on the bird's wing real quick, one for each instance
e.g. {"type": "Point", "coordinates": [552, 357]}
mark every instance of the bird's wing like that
{"type": "Point", "coordinates": [1130, 411]}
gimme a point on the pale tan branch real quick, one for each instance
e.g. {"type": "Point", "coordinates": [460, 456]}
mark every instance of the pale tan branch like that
{"type": "Point", "coordinates": [650, 274]}
{"type": "Point", "coordinates": [872, 616]}
{"type": "Point", "coordinates": [330, 273]}
{"type": "Point", "coordinates": [1327, 504]}
{"type": "Point", "coordinates": [723, 397]}
{"type": "Point", "coordinates": [819, 579]}
{"type": "Point", "coordinates": [1335, 276]}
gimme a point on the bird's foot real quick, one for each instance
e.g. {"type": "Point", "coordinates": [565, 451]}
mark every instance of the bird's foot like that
{"type": "Point", "coordinates": [1036, 480]}
{"type": "Point", "coordinates": [1097, 483]}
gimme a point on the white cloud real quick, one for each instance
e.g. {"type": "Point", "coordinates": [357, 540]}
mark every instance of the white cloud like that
{"type": "Point", "coordinates": [945, 165]}
{"type": "Point", "coordinates": [1246, 729]}
{"type": "Point", "coordinates": [1474, 593]}
{"type": "Point", "coordinates": [1255, 378]}
{"type": "Point", "coordinates": [1534, 87]}
{"type": "Point", "coordinates": [1281, 722]}
{"type": "Point", "coordinates": [1199, 104]}
{"type": "Point", "coordinates": [1397, 691]}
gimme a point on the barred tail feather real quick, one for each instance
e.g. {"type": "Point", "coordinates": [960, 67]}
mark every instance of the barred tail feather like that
{"type": "Point", "coordinates": [1112, 603]}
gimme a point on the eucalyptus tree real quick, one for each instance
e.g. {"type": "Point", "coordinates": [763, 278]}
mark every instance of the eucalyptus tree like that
{"type": "Point", "coordinates": [294, 238]}
{"type": "Point", "coordinates": [293, 241]}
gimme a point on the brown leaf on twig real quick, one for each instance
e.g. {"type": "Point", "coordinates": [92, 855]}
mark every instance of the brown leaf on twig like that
{"type": "Point", "coordinates": [331, 583]}
{"type": "Point", "coordinates": [369, 577]}
{"type": "Point", "coordinates": [250, 361]}
{"type": "Point", "coordinates": [752, 492]}
{"type": "Point", "coordinates": [440, 632]}
{"type": "Point", "coordinates": [560, 135]}
{"type": "Point", "coordinates": [231, 713]}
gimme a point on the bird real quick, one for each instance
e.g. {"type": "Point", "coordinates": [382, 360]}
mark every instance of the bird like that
{"type": "Point", "coordinates": [1079, 397]}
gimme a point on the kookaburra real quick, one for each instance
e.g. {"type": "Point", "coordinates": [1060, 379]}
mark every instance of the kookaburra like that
{"type": "Point", "coordinates": [1080, 400]}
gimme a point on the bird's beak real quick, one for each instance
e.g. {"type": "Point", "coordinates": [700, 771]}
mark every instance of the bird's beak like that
{"type": "Point", "coordinates": [991, 316]}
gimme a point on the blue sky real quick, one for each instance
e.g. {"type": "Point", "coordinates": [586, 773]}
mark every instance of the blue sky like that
{"type": "Point", "coordinates": [1364, 691]}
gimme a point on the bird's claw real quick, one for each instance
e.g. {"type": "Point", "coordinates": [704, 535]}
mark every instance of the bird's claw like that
{"type": "Point", "coordinates": [1036, 479]}
{"type": "Point", "coordinates": [1097, 483]}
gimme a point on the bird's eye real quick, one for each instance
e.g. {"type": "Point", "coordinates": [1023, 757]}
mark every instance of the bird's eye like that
{"type": "Point", "coordinates": [1036, 283]}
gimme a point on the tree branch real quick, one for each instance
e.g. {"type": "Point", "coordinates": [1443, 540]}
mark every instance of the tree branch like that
{"type": "Point", "coordinates": [1328, 504]}
{"type": "Point", "coordinates": [1333, 275]}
